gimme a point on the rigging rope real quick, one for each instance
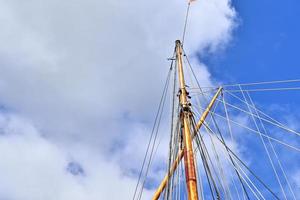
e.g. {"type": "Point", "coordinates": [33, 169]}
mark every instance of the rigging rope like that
{"type": "Point", "coordinates": [185, 22]}
{"type": "Point", "coordinates": [231, 136]}
{"type": "Point", "coordinates": [257, 83]}
{"type": "Point", "coordinates": [224, 184]}
{"type": "Point", "coordinates": [205, 158]}
{"type": "Point", "coordinates": [275, 122]}
{"type": "Point", "coordinates": [155, 136]}
{"type": "Point", "coordinates": [194, 90]}
{"type": "Point", "coordinates": [227, 117]}
{"type": "Point", "coordinates": [236, 157]}
{"type": "Point", "coordinates": [273, 150]}
{"type": "Point", "coordinates": [171, 143]}
{"type": "Point", "coordinates": [194, 75]}
{"type": "Point", "coordinates": [236, 171]}
{"type": "Point", "coordinates": [261, 89]}
{"type": "Point", "coordinates": [266, 89]}
{"type": "Point", "coordinates": [254, 131]}
{"type": "Point", "coordinates": [262, 140]}
{"type": "Point", "coordinates": [263, 82]}
{"type": "Point", "coordinates": [212, 115]}
{"type": "Point", "coordinates": [160, 108]}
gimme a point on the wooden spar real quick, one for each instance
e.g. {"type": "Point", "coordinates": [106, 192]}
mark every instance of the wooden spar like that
{"type": "Point", "coordinates": [164, 182]}
{"type": "Point", "coordinates": [207, 110]}
{"type": "Point", "coordinates": [180, 153]}
{"type": "Point", "coordinates": [185, 114]}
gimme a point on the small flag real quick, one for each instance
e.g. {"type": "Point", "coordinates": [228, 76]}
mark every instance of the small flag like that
{"type": "Point", "coordinates": [190, 1]}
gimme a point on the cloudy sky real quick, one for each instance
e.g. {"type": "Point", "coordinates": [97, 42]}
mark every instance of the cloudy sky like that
{"type": "Point", "coordinates": [80, 80]}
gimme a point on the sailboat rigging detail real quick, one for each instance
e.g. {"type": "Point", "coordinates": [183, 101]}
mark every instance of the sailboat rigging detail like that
{"type": "Point", "coordinates": [206, 123]}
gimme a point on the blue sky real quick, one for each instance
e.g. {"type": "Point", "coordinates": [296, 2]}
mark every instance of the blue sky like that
{"type": "Point", "coordinates": [264, 45]}
{"type": "Point", "coordinates": [80, 81]}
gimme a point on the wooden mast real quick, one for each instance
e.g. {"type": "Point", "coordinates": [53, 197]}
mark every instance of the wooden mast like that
{"type": "Point", "coordinates": [181, 153]}
{"type": "Point", "coordinates": [185, 115]}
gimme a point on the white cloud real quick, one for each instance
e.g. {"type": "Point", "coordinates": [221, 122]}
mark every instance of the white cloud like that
{"type": "Point", "coordinates": [34, 168]}
{"type": "Point", "coordinates": [90, 73]}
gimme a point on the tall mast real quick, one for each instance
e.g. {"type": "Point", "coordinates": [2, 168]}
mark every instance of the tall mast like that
{"type": "Point", "coordinates": [182, 152]}
{"type": "Point", "coordinates": [185, 115]}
